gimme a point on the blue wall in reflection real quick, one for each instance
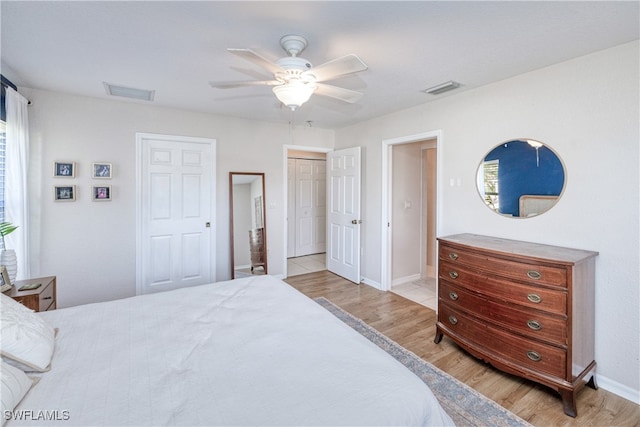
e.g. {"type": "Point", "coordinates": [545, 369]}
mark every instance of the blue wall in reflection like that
{"type": "Point", "coordinates": [523, 171]}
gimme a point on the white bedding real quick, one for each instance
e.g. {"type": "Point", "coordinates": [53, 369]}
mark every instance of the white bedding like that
{"type": "Point", "coordinates": [251, 351]}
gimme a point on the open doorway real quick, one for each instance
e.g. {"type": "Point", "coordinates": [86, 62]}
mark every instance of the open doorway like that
{"type": "Point", "coordinates": [306, 211]}
{"type": "Point", "coordinates": [410, 202]}
{"type": "Point", "coordinates": [413, 239]}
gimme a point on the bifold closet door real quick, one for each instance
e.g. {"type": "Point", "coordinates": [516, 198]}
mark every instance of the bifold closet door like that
{"type": "Point", "coordinates": [310, 206]}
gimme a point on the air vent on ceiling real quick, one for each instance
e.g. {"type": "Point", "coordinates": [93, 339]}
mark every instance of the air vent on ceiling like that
{"type": "Point", "coordinates": [129, 92]}
{"type": "Point", "coordinates": [437, 90]}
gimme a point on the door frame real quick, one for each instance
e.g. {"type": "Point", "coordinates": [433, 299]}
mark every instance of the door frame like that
{"type": "Point", "coordinates": [386, 216]}
{"type": "Point", "coordinates": [140, 139]}
{"type": "Point", "coordinates": [285, 191]}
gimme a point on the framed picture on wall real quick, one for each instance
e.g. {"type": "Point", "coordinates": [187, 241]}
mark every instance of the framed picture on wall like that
{"type": "Point", "coordinates": [102, 170]}
{"type": "Point", "coordinates": [64, 169]}
{"type": "Point", "coordinates": [64, 193]}
{"type": "Point", "coordinates": [102, 193]}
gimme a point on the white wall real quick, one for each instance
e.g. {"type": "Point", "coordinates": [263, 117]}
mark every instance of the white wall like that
{"type": "Point", "coordinates": [90, 246]}
{"type": "Point", "coordinates": [587, 110]}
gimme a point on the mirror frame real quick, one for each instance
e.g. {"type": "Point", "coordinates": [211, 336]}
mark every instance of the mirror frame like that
{"type": "Point", "coordinates": [264, 218]}
{"type": "Point", "coordinates": [544, 201]}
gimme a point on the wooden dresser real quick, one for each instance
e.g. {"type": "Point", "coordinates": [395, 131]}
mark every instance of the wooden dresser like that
{"type": "Point", "coordinates": [42, 298]}
{"type": "Point", "coordinates": [525, 308]}
{"type": "Point", "coordinates": [257, 248]}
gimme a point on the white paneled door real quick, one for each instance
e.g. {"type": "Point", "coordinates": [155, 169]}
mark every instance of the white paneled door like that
{"type": "Point", "coordinates": [176, 181]}
{"type": "Point", "coordinates": [310, 206]}
{"type": "Point", "coordinates": [343, 228]}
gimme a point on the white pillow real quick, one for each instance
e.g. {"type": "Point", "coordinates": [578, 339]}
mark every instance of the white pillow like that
{"type": "Point", "coordinates": [26, 340]}
{"type": "Point", "coordinates": [15, 384]}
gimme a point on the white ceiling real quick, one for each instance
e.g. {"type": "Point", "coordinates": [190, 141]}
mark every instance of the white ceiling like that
{"type": "Point", "coordinates": [176, 48]}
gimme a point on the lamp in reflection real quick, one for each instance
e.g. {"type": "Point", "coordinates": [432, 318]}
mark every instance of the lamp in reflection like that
{"type": "Point", "coordinates": [536, 145]}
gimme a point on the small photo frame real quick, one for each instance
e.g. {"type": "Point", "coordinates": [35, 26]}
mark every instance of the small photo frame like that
{"type": "Point", "coordinates": [64, 193]}
{"type": "Point", "coordinates": [102, 170]}
{"type": "Point", "coordinates": [101, 193]}
{"type": "Point", "coordinates": [64, 169]}
{"type": "Point", "coordinates": [4, 277]}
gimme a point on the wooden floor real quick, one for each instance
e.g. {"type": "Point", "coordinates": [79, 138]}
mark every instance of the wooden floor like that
{"type": "Point", "coordinates": [413, 326]}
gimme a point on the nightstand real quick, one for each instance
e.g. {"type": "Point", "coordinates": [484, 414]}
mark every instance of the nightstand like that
{"type": "Point", "coordinates": [41, 299]}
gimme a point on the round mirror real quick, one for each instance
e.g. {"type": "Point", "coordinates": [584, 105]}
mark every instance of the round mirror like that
{"type": "Point", "coordinates": [521, 178]}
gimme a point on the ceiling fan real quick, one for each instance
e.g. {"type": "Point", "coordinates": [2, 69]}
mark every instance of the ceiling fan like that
{"type": "Point", "coordinates": [295, 79]}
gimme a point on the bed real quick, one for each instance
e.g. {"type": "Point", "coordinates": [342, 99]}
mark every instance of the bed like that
{"type": "Point", "coordinates": [250, 351]}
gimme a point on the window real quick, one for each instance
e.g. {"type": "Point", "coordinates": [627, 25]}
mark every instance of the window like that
{"type": "Point", "coordinates": [491, 190]}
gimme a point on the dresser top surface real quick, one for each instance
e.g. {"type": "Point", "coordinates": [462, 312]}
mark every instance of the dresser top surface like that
{"type": "Point", "coordinates": [519, 248]}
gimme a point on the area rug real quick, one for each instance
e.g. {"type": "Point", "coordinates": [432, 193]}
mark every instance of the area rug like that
{"type": "Point", "coordinates": [464, 405]}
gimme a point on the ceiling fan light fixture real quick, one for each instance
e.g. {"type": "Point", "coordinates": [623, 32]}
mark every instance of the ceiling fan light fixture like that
{"type": "Point", "coordinates": [443, 87]}
{"type": "Point", "coordinates": [294, 94]}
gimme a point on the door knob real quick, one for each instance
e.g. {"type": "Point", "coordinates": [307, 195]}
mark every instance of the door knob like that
{"type": "Point", "coordinates": [356, 221]}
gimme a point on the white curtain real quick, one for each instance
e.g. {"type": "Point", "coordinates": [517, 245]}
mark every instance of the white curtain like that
{"type": "Point", "coordinates": [17, 167]}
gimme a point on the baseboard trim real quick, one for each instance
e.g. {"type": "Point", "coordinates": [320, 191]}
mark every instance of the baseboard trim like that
{"type": "Point", "coordinates": [618, 389]}
{"type": "Point", "coordinates": [406, 279]}
{"type": "Point", "coordinates": [372, 283]}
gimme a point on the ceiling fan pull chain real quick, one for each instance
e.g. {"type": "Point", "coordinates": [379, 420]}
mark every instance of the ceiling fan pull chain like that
{"type": "Point", "coordinates": [291, 127]}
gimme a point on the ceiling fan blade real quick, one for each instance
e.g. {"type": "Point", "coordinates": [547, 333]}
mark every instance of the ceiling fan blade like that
{"type": "Point", "coordinates": [258, 59]}
{"type": "Point", "coordinates": [346, 95]}
{"type": "Point", "coordinates": [229, 85]}
{"type": "Point", "coordinates": [347, 64]}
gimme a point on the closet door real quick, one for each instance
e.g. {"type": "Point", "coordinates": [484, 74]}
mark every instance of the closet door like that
{"type": "Point", "coordinates": [310, 206]}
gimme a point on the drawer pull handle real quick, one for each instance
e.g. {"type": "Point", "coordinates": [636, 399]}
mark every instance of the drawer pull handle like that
{"type": "Point", "coordinates": [453, 256]}
{"type": "Point", "coordinates": [453, 296]}
{"type": "Point", "coordinates": [453, 274]}
{"type": "Point", "coordinates": [534, 324]}
{"type": "Point", "coordinates": [47, 298]}
{"type": "Point", "coordinates": [535, 356]}
{"type": "Point", "coordinates": [534, 298]}
{"type": "Point", "coordinates": [453, 320]}
{"type": "Point", "coordinates": [533, 274]}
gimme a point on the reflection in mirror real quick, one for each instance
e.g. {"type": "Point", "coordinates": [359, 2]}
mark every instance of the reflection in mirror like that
{"type": "Point", "coordinates": [521, 178]}
{"type": "Point", "coordinates": [247, 228]}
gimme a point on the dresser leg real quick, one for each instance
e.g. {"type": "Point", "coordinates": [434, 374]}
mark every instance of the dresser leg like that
{"type": "Point", "coordinates": [438, 337]}
{"type": "Point", "coordinates": [569, 402]}
{"type": "Point", "coordinates": [592, 382]}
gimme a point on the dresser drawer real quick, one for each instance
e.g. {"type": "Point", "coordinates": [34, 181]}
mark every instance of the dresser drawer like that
{"type": "Point", "coordinates": [527, 322]}
{"type": "Point", "coordinates": [554, 301]}
{"type": "Point", "coordinates": [499, 344]}
{"type": "Point", "coordinates": [533, 273]}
